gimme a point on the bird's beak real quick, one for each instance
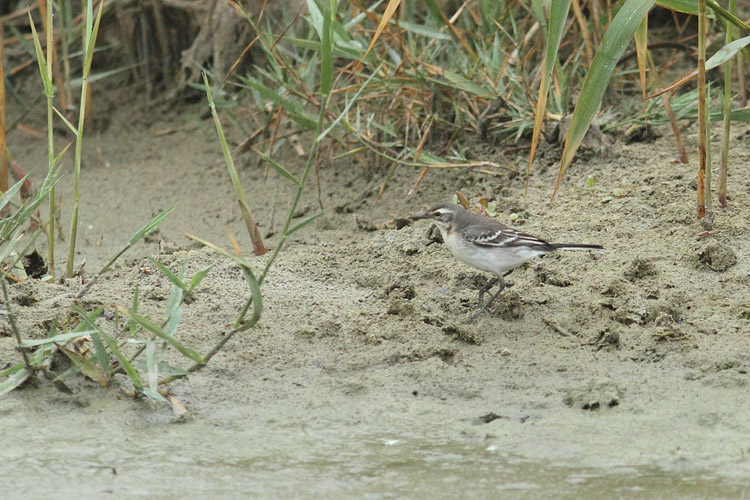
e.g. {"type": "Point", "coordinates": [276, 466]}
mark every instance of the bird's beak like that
{"type": "Point", "coordinates": [419, 216]}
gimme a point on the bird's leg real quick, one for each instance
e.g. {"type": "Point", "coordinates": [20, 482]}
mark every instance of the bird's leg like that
{"type": "Point", "coordinates": [485, 289]}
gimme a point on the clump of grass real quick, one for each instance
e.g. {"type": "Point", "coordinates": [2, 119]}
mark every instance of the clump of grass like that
{"type": "Point", "coordinates": [406, 95]}
{"type": "Point", "coordinates": [147, 373]}
{"type": "Point", "coordinates": [16, 240]}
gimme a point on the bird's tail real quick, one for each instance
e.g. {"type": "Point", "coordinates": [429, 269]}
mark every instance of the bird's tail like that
{"type": "Point", "coordinates": [565, 246]}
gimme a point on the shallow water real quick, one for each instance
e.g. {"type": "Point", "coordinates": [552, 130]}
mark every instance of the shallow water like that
{"type": "Point", "coordinates": [192, 461]}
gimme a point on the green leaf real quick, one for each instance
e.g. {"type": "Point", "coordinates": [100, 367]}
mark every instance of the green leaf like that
{"type": "Point", "coordinates": [153, 328]}
{"type": "Point", "coordinates": [613, 44]}
{"type": "Point", "coordinates": [684, 6]}
{"type": "Point", "coordinates": [726, 52]}
{"type": "Point", "coordinates": [239, 260]}
{"type": "Point", "coordinates": [66, 121]}
{"type": "Point", "coordinates": [278, 167]}
{"type": "Point", "coordinates": [164, 369]}
{"type": "Point", "coordinates": [59, 158]}
{"type": "Point", "coordinates": [435, 11]}
{"type": "Point", "coordinates": [305, 222]}
{"type": "Point", "coordinates": [174, 321]}
{"type": "Point", "coordinates": [169, 274]}
{"type": "Point", "coordinates": [558, 17]}
{"type": "Point", "coordinates": [460, 82]}
{"type": "Point", "coordinates": [256, 298]}
{"type": "Point", "coordinates": [198, 277]}
{"type": "Point", "coordinates": [43, 355]}
{"type": "Point", "coordinates": [154, 394]}
{"type": "Point", "coordinates": [316, 17]}
{"type": "Point", "coordinates": [11, 370]}
{"type": "Point", "coordinates": [134, 307]}
{"type": "Point", "coordinates": [130, 370]}
{"type": "Point", "coordinates": [349, 51]}
{"type": "Point", "coordinates": [67, 373]}
{"type": "Point", "coordinates": [11, 192]}
{"type": "Point", "coordinates": [18, 378]}
{"type": "Point", "coordinates": [722, 12]}
{"type": "Point", "coordinates": [77, 82]}
{"type": "Point", "coordinates": [174, 311]}
{"type": "Point", "coordinates": [151, 225]}
{"type": "Point", "coordinates": [326, 50]}
{"type": "Point", "coordinates": [422, 30]}
{"type": "Point", "coordinates": [41, 61]}
{"type": "Point", "coordinates": [151, 366]}
{"type": "Point", "coordinates": [57, 339]}
{"type": "Point", "coordinates": [10, 243]}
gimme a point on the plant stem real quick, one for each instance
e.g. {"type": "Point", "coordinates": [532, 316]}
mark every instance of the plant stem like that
{"type": "Point", "coordinates": [50, 144]}
{"type": "Point", "coordinates": [89, 41]}
{"type": "Point", "coordinates": [13, 326]}
{"type": "Point", "coordinates": [702, 118]}
{"type": "Point", "coordinates": [727, 117]}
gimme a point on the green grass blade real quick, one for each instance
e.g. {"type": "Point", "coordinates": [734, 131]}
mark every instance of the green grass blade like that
{"type": "Point", "coordinates": [684, 6]}
{"type": "Point", "coordinates": [558, 16]}
{"type": "Point", "coordinates": [198, 277]}
{"type": "Point", "coordinates": [70, 126]}
{"type": "Point", "coordinates": [175, 316]}
{"type": "Point", "coordinates": [425, 31]}
{"type": "Point", "coordinates": [239, 260]}
{"type": "Point", "coordinates": [326, 50]}
{"type": "Point", "coordinates": [154, 394]}
{"type": "Point", "coordinates": [169, 274]}
{"type": "Point", "coordinates": [134, 308]}
{"type": "Point", "coordinates": [151, 225]}
{"type": "Point", "coordinates": [59, 157]}
{"type": "Point", "coordinates": [153, 328]}
{"type": "Point", "coordinates": [316, 17]}
{"type": "Point", "coordinates": [11, 370]}
{"type": "Point", "coordinates": [305, 222]}
{"type": "Point", "coordinates": [725, 53]}
{"type": "Point", "coordinates": [722, 12]}
{"type": "Point", "coordinates": [256, 298]}
{"type": "Point", "coordinates": [176, 295]}
{"type": "Point", "coordinates": [11, 192]}
{"type": "Point", "coordinates": [41, 60]}
{"type": "Point", "coordinates": [130, 370]}
{"type": "Point", "coordinates": [57, 339]}
{"type": "Point", "coordinates": [152, 368]}
{"type": "Point", "coordinates": [67, 373]}
{"type": "Point", "coordinates": [18, 378]}
{"type": "Point", "coordinates": [165, 370]}
{"type": "Point", "coordinates": [278, 167]}
{"type": "Point", "coordinates": [613, 44]}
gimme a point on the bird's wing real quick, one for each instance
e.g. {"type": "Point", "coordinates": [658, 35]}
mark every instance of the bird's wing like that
{"type": "Point", "coordinates": [501, 236]}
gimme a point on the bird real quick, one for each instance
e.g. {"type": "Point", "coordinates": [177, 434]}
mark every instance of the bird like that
{"type": "Point", "coordinates": [485, 244]}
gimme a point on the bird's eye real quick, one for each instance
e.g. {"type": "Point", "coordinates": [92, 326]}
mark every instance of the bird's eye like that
{"type": "Point", "coordinates": [442, 216]}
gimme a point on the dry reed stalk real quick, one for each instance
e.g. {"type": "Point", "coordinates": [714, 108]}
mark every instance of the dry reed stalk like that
{"type": "Point", "coordinates": [702, 118]}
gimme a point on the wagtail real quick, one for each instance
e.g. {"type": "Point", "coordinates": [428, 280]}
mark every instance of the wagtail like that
{"type": "Point", "coordinates": [487, 245]}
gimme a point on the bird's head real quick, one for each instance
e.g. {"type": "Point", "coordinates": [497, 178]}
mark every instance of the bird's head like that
{"type": "Point", "coordinates": [442, 215]}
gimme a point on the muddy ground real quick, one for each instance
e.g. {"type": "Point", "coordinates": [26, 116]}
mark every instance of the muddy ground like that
{"type": "Point", "coordinates": [620, 374]}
